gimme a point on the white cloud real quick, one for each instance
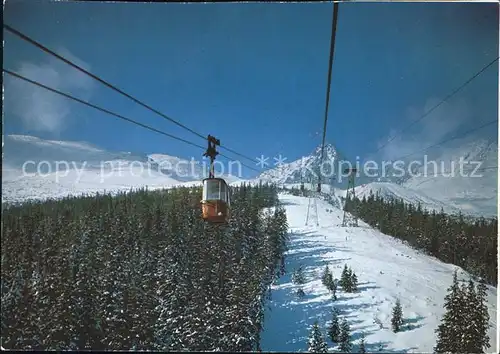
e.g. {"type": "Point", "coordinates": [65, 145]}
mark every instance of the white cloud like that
{"type": "Point", "coordinates": [38, 108]}
{"type": "Point", "coordinates": [441, 123]}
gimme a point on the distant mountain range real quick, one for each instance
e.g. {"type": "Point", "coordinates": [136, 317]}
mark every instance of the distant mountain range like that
{"type": "Point", "coordinates": [54, 169]}
{"type": "Point", "coordinates": [124, 171]}
{"type": "Point", "coordinates": [474, 192]}
{"type": "Point", "coordinates": [444, 189]}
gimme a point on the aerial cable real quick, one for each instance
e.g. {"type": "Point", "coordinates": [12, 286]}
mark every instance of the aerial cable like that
{"type": "Point", "coordinates": [437, 105]}
{"type": "Point", "coordinates": [330, 62]}
{"type": "Point", "coordinates": [464, 134]}
{"type": "Point", "coordinates": [98, 108]}
{"type": "Point", "coordinates": [488, 168]}
{"type": "Point", "coordinates": [112, 113]}
{"type": "Point", "coordinates": [86, 72]}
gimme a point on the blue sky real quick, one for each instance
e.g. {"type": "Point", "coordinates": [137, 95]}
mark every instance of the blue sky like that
{"type": "Point", "coordinates": [254, 75]}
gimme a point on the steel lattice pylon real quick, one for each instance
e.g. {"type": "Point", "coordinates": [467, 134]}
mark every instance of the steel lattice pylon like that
{"type": "Point", "coordinates": [314, 212]}
{"type": "Point", "coordinates": [350, 219]}
{"type": "Point", "coordinates": [312, 206]}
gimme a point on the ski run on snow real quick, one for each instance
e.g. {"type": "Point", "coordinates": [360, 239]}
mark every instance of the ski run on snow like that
{"type": "Point", "coordinates": [386, 269]}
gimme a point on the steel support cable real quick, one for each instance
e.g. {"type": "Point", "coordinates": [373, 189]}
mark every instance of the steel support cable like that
{"type": "Point", "coordinates": [437, 105]}
{"type": "Point", "coordinates": [330, 64]}
{"type": "Point", "coordinates": [86, 72]}
{"type": "Point", "coordinates": [470, 131]}
{"type": "Point", "coordinates": [104, 110]}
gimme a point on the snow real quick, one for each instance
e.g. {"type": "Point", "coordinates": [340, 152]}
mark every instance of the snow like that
{"type": "Point", "coordinates": [387, 269]}
{"type": "Point", "coordinates": [62, 168]}
{"type": "Point", "coordinates": [475, 192]}
{"type": "Point", "coordinates": [78, 182]}
{"type": "Point", "coordinates": [92, 169]}
{"type": "Point", "coordinates": [295, 171]}
{"type": "Point", "coordinates": [434, 187]}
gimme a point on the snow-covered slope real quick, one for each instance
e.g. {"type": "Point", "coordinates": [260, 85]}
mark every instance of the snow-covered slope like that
{"type": "Point", "coordinates": [59, 168]}
{"type": "Point", "coordinates": [474, 193]}
{"type": "Point", "coordinates": [386, 268]}
{"type": "Point", "coordinates": [77, 182]}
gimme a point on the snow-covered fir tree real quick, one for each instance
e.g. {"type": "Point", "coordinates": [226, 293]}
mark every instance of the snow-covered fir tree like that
{"type": "Point", "coordinates": [298, 276]}
{"type": "Point", "coordinates": [449, 332]}
{"type": "Point", "coordinates": [362, 348]}
{"type": "Point", "coordinates": [333, 329]}
{"type": "Point", "coordinates": [348, 280]}
{"type": "Point", "coordinates": [325, 274]}
{"type": "Point", "coordinates": [354, 282]}
{"type": "Point", "coordinates": [475, 335]}
{"type": "Point", "coordinates": [397, 316]}
{"type": "Point", "coordinates": [333, 289]}
{"type": "Point", "coordinates": [327, 277]}
{"type": "Point", "coordinates": [470, 332]}
{"type": "Point", "coordinates": [482, 317]}
{"type": "Point", "coordinates": [464, 326]}
{"type": "Point", "coordinates": [316, 341]}
{"type": "Point", "coordinates": [345, 344]}
{"type": "Point", "coordinates": [330, 283]}
{"type": "Point", "coordinates": [345, 279]}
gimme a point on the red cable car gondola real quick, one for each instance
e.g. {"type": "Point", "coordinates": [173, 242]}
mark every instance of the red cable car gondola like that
{"type": "Point", "coordinates": [216, 200]}
{"type": "Point", "coordinates": [215, 203]}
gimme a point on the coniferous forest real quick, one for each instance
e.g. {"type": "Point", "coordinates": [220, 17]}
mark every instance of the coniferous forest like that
{"type": "Point", "coordinates": [140, 271]}
{"type": "Point", "coordinates": [464, 326]}
{"type": "Point", "coordinates": [470, 244]}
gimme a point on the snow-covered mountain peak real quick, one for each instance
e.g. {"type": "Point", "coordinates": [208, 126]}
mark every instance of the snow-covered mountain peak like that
{"type": "Point", "coordinates": [329, 152]}
{"type": "Point", "coordinates": [472, 194]}
{"type": "Point", "coordinates": [302, 169]}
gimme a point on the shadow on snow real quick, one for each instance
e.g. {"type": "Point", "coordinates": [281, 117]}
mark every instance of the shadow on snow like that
{"type": "Point", "coordinates": [410, 324]}
{"type": "Point", "coordinates": [288, 318]}
{"type": "Point", "coordinates": [381, 347]}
